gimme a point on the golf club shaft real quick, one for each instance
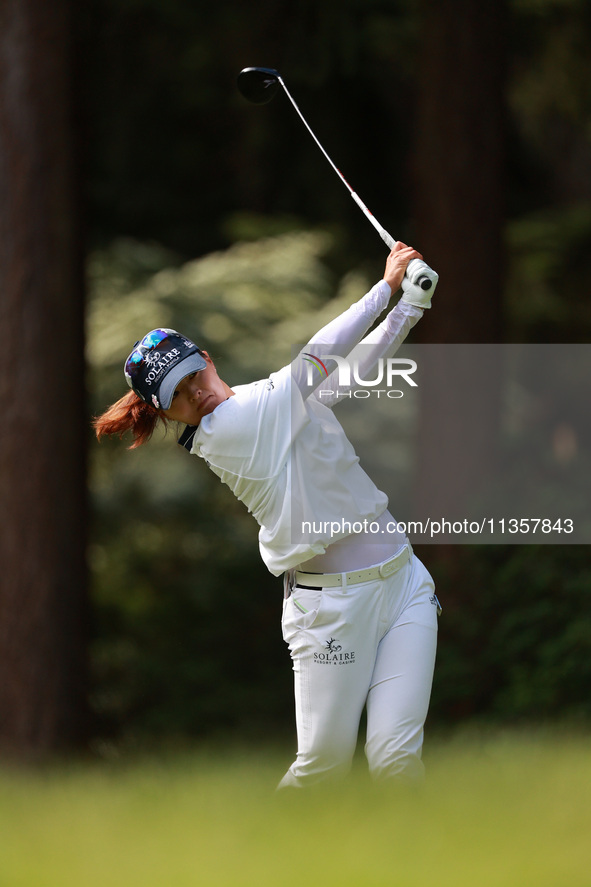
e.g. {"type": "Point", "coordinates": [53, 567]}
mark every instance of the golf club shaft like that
{"type": "Point", "coordinates": [387, 238]}
{"type": "Point", "coordinates": [424, 280]}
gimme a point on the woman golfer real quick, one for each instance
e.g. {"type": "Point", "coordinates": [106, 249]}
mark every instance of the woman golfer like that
{"type": "Point", "coordinates": [360, 613]}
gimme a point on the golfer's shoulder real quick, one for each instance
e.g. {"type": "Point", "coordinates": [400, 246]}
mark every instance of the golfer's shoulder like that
{"type": "Point", "coordinates": [264, 394]}
{"type": "Point", "coordinates": [272, 388]}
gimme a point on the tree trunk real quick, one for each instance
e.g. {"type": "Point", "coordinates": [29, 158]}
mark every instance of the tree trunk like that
{"type": "Point", "coordinates": [459, 186]}
{"type": "Point", "coordinates": [43, 603]}
{"type": "Point", "coordinates": [459, 163]}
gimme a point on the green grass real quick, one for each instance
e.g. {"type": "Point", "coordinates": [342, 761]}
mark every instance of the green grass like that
{"type": "Point", "coordinates": [507, 810]}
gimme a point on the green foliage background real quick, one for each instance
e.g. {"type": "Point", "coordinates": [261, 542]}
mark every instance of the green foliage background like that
{"type": "Point", "coordinates": [187, 635]}
{"type": "Point", "coordinates": [220, 219]}
{"type": "Point", "coordinates": [187, 638]}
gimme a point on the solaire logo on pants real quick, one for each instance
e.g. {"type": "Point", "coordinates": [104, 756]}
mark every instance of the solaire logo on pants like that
{"type": "Point", "coordinates": [333, 654]}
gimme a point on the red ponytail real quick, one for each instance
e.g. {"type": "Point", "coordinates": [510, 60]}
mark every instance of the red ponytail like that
{"type": "Point", "coordinates": [129, 413]}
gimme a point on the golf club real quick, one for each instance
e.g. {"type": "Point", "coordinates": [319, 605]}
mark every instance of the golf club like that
{"type": "Point", "coordinates": [259, 85]}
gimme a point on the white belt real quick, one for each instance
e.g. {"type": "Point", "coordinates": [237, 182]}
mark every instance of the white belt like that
{"type": "Point", "coordinates": [370, 574]}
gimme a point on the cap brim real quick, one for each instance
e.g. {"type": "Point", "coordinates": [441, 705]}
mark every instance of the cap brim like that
{"type": "Point", "coordinates": [191, 364]}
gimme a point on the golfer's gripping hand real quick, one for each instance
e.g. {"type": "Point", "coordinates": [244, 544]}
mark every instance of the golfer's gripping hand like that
{"type": "Point", "coordinates": [396, 265]}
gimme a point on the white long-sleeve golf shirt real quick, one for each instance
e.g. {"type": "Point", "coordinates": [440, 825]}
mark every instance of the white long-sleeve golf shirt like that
{"type": "Point", "coordinates": [279, 447]}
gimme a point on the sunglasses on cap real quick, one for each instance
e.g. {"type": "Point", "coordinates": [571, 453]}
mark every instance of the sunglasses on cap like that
{"type": "Point", "coordinates": [141, 349]}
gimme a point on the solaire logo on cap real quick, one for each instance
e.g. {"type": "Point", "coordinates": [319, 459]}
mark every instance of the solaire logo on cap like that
{"type": "Point", "coordinates": [160, 362]}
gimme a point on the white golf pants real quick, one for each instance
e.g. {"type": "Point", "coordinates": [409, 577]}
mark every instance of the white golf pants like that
{"type": "Point", "coordinates": [371, 644]}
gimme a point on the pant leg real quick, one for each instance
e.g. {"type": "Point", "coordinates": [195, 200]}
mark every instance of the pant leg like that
{"type": "Point", "coordinates": [333, 636]}
{"type": "Point", "coordinates": [398, 699]}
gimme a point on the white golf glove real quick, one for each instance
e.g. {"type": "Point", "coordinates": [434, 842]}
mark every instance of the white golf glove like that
{"type": "Point", "coordinates": [412, 292]}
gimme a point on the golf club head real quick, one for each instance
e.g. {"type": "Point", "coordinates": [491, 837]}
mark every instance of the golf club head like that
{"type": "Point", "coordinates": [258, 85]}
